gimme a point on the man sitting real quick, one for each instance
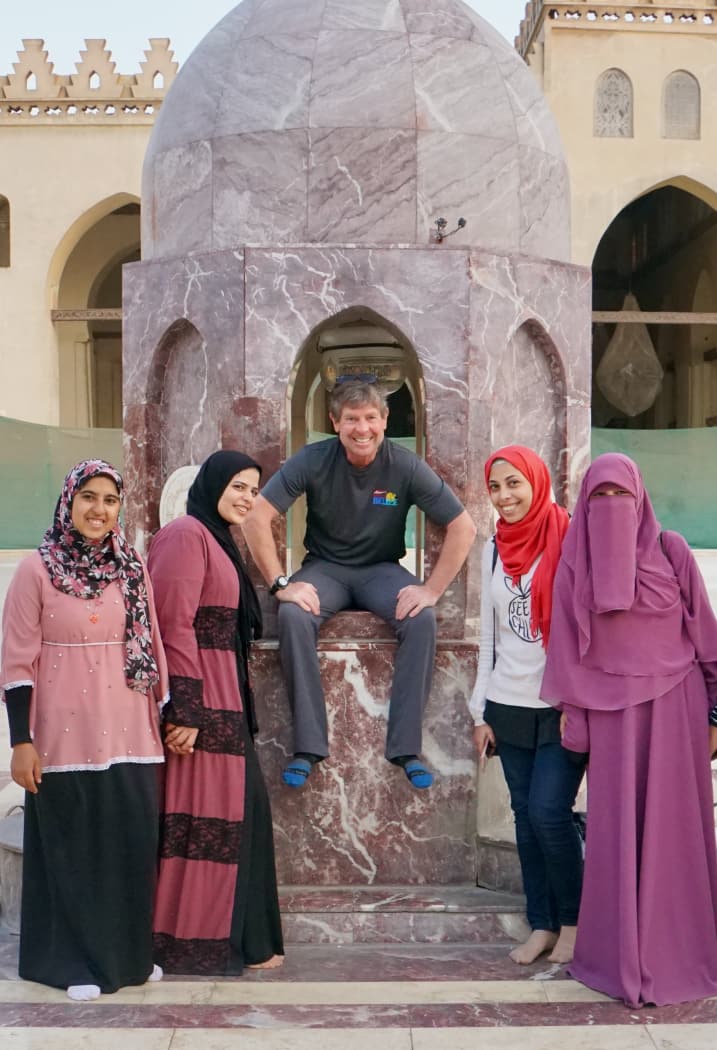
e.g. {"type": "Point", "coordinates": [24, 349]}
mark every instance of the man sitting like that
{"type": "Point", "coordinates": [359, 490]}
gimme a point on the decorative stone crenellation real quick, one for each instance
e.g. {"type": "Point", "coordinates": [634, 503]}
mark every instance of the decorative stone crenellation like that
{"type": "Point", "coordinates": [95, 93]}
{"type": "Point", "coordinates": [680, 16]}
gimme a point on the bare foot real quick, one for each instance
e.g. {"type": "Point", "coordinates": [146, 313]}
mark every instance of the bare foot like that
{"type": "Point", "coordinates": [270, 964]}
{"type": "Point", "coordinates": [565, 945]}
{"type": "Point", "coordinates": [539, 941]}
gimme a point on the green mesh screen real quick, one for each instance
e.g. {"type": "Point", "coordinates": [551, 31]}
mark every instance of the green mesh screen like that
{"type": "Point", "coordinates": [679, 467]}
{"type": "Point", "coordinates": [680, 472]}
{"type": "Point", "coordinates": [34, 460]}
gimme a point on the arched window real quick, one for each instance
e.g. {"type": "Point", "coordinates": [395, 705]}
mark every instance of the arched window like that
{"type": "Point", "coordinates": [613, 105]}
{"type": "Point", "coordinates": [681, 106]}
{"type": "Point", "coordinates": [4, 231]}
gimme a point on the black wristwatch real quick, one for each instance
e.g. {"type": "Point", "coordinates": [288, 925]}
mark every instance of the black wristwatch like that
{"type": "Point", "coordinates": [279, 584]}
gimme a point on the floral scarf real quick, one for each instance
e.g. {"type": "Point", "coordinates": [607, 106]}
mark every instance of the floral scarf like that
{"type": "Point", "coordinates": [83, 569]}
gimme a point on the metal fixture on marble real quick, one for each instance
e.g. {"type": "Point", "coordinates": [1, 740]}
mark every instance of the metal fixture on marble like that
{"type": "Point", "coordinates": [440, 233]}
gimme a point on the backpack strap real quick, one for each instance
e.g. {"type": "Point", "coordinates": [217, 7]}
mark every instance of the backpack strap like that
{"type": "Point", "coordinates": [492, 571]}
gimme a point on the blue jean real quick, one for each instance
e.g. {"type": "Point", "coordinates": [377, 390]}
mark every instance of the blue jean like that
{"type": "Point", "coordinates": [543, 784]}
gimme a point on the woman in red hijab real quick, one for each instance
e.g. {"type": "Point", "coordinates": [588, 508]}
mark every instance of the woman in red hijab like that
{"type": "Point", "coordinates": [518, 569]}
{"type": "Point", "coordinates": [633, 664]}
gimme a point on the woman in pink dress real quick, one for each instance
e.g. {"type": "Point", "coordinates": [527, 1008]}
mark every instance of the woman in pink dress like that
{"type": "Point", "coordinates": [217, 904]}
{"type": "Point", "coordinates": [83, 674]}
{"type": "Point", "coordinates": [632, 661]}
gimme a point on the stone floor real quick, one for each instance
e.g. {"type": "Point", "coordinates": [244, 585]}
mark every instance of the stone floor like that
{"type": "Point", "coordinates": [350, 993]}
{"type": "Point", "coordinates": [417, 997]}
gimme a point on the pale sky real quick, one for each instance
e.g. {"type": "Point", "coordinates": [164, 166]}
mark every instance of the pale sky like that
{"type": "Point", "coordinates": [126, 25]}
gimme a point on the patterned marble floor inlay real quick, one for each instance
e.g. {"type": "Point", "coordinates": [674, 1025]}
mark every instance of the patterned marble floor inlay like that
{"type": "Point", "coordinates": [644, 1037]}
{"type": "Point", "coordinates": [326, 997]}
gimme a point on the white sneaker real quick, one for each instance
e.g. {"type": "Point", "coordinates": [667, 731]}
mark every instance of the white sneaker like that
{"type": "Point", "coordinates": [83, 993]}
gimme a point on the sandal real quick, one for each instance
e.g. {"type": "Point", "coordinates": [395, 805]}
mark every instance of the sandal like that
{"type": "Point", "coordinates": [420, 777]}
{"type": "Point", "coordinates": [296, 773]}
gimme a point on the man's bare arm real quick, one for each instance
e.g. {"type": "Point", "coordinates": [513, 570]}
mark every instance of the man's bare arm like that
{"type": "Point", "coordinates": [260, 538]}
{"type": "Point", "coordinates": [457, 542]}
{"type": "Point", "coordinates": [261, 543]}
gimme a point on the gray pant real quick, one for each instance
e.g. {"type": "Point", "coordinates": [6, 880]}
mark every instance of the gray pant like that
{"type": "Point", "coordinates": [374, 588]}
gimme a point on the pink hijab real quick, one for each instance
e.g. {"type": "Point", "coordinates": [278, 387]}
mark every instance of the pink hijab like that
{"type": "Point", "coordinates": [618, 635]}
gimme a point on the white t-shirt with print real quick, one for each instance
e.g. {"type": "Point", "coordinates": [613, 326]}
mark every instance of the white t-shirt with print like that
{"type": "Point", "coordinates": [519, 658]}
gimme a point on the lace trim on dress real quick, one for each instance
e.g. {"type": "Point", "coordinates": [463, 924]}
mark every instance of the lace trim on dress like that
{"type": "Point", "coordinates": [215, 627]}
{"type": "Point", "coordinates": [192, 955]}
{"type": "Point", "coordinates": [16, 685]}
{"type": "Point", "coordinates": [201, 838]}
{"type": "Point", "coordinates": [91, 767]}
{"type": "Point", "coordinates": [222, 733]}
{"type": "Point", "coordinates": [185, 705]}
{"type": "Point", "coordinates": [80, 645]}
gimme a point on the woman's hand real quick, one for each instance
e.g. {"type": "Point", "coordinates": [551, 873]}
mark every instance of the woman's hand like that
{"type": "Point", "coordinates": [25, 767]}
{"type": "Point", "coordinates": [180, 740]}
{"type": "Point", "coordinates": [483, 742]}
{"type": "Point", "coordinates": [563, 723]}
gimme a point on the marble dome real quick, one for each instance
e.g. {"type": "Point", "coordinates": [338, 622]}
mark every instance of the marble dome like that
{"type": "Point", "coordinates": [338, 121]}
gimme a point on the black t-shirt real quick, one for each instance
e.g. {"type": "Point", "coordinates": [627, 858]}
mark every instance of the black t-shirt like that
{"type": "Point", "coordinates": [357, 515]}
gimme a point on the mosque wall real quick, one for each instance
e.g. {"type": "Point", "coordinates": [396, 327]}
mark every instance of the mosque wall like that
{"type": "Point", "coordinates": [568, 54]}
{"type": "Point", "coordinates": [72, 148]}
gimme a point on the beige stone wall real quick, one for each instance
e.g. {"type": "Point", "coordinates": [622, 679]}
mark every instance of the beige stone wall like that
{"type": "Point", "coordinates": [71, 155]}
{"type": "Point", "coordinates": [568, 55]}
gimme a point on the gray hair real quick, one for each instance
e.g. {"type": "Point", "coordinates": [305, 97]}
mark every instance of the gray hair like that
{"type": "Point", "coordinates": [355, 393]}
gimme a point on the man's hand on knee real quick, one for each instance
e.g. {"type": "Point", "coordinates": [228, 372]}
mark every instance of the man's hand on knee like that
{"type": "Point", "coordinates": [412, 599]}
{"type": "Point", "coordinates": [302, 594]}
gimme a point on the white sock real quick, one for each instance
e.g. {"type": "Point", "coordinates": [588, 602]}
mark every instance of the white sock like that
{"type": "Point", "coordinates": [157, 973]}
{"type": "Point", "coordinates": [82, 993]}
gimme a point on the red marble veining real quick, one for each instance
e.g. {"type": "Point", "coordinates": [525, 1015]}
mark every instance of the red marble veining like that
{"type": "Point", "coordinates": [368, 1015]}
{"type": "Point", "coordinates": [502, 343]}
{"type": "Point", "coordinates": [358, 820]}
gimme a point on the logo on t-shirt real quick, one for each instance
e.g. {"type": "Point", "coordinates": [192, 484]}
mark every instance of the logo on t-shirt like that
{"type": "Point", "coordinates": [519, 611]}
{"type": "Point", "coordinates": [382, 498]}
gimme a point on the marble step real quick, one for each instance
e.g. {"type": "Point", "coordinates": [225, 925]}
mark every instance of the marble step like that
{"type": "Point", "coordinates": [11, 869]}
{"type": "Point", "coordinates": [343, 915]}
{"type": "Point", "coordinates": [332, 993]}
{"type": "Point", "coordinates": [331, 996]}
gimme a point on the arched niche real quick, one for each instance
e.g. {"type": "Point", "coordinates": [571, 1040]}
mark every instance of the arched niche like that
{"type": "Point", "coordinates": [177, 385]}
{"type": "Point", "coordinates": [89, 348]}
{"type": "Point", "coordinates": [681, 106]}
{"type": "Point", "coordinates": [613, 107]}
{"type": "Point", "coordinates": [660, 249]}
{"type": "Point", "coordinates": [531, 362]}
{"type": "Point", "coordinates": [307, 406]}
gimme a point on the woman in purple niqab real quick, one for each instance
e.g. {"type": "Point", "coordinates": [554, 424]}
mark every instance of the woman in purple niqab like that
{"type": "Point", "coordinates": [632, 662]}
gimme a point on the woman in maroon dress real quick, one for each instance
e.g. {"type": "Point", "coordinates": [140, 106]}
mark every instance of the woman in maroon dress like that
{"type": "Point", "coordinates": [217, 906]}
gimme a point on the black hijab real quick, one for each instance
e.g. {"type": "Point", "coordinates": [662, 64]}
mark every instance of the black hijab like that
{"type": "Point", "coordinates": [214, 475]}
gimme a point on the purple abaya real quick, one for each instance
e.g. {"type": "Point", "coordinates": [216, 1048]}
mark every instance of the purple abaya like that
{"type": "Point", "coordinates": [647, 931]}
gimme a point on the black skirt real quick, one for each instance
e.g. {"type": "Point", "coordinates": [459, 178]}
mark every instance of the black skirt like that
{"type": "Point", "coordinates": [526, 727]}
{"type": "Point", "coordinates": [89, 871]}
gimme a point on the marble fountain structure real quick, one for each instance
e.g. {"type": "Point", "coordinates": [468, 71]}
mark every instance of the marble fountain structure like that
{"type": "Point", "coordinates": [291, 189]}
